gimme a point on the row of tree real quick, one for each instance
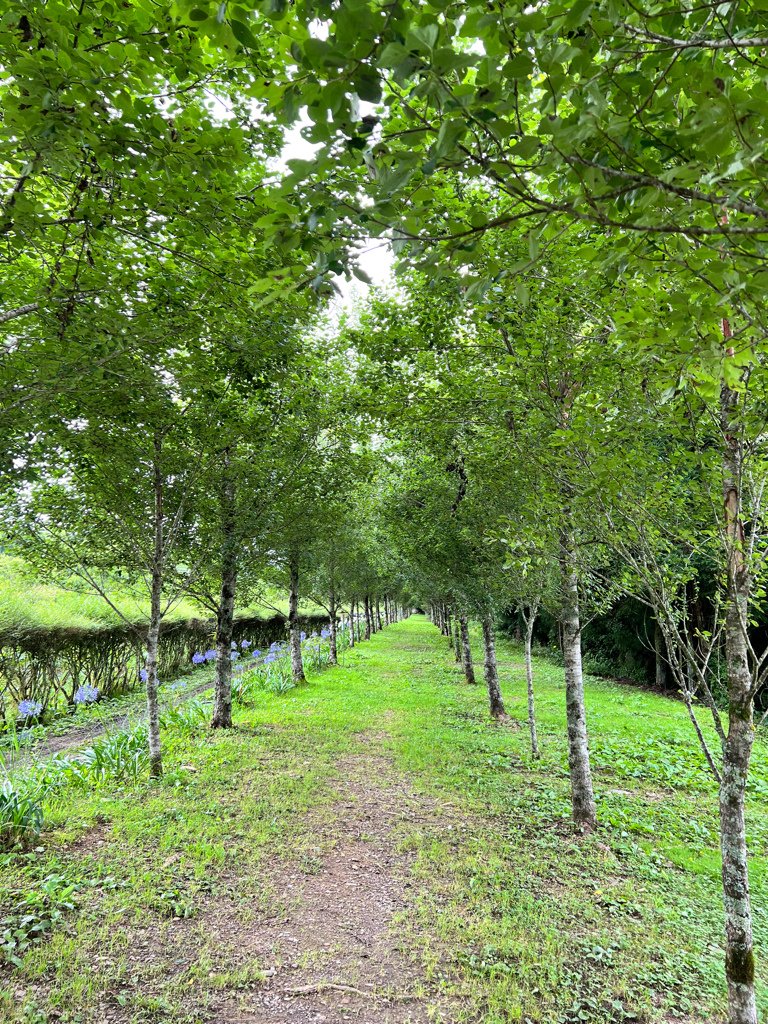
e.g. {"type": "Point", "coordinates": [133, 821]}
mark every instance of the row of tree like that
{"type": "Point", "coordinates": [566, 401]}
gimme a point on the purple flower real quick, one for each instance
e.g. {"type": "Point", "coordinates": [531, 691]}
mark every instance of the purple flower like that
{"type": "Point", "coordinates": [270, 658]}
{"type": "Point", "coordinates": [256, 654]}
{"type": "Point", "coordinates": [87, 694]}
{"type": "Point", "coordinates": [143, 675]}
{"type": "Point", "coordinates": [198, 658]}
{"type": "Point", "coordinates": [303, 636]}
{"type": "Point", "coordinates": [29, 708]}
{"type": "Point", "coordinates": [325, 633]}
{"type": "Point", "coordinates": [210, 654]}
{"type": "Point", "coordinates": [235, 655]}
{"type": "Point", "coordinates": [233, 646]}
{"type": "Point", "coordinates": [245, 644]}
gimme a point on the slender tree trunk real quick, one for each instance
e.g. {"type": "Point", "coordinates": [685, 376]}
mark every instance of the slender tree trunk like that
{"type": "Point", "coordinates": [582, 795]}
{"type": "Point", "coordinates": [367, 611]}
{"type": "Point", "coordinates": [466, 652]}
{"type": "Point", "coordinates": [456, 639]}
{"type": "Point", "coordinates": [378, 614]}
{"type": "Point", "coordinates": [352, 625]}
{"type": "Point", "coordinates": [530, 623]}
{"type": "Point", "coordinates": [333, 654]}
{"type": "Point", "coordinates": [661, 665]}
{"type": "Point", "coordinates": [491, 670]}
{"type": "Point", "coordinates": [222, 699]}
{"type": "Point", "coordinates": [358, 624]}
{"type": "Point", "coordinates": [155, 617]}
{"type": "Point", "coordinates": [737, 750]}
{"type": "Point", "coordinates": [294, 628]}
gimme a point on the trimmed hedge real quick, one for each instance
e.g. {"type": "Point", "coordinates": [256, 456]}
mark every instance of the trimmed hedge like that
{"type": "Point", "coordinates": [48, 665]}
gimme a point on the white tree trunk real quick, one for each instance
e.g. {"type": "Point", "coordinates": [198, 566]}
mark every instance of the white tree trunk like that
{"type": "Point", "coordinates": [222, 698]}
{"type": "Point", "coordinates": [737, 750]}
{"type": "Point", "coordinates": [582, 795]}
{"type": "Point", "coordinates": [294, 629]}
{"type": "Point", "coordinates": [530, 623]}
{"type": "Point", "coordinates": [155, 618]}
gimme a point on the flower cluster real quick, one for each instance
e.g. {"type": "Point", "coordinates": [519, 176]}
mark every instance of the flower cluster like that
{"type": "Point", "coordinates": [86, 694]}
{"type": "Point", "coordinates": [144, 675]}
{"type": "Point", "coordinates": [198, 658]}
{"type": "Point", "coordinates": [29, 708]}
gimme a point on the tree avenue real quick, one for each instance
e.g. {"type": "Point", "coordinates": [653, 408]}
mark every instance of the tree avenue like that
{"type": "Point", "coordinates": [548, 423]}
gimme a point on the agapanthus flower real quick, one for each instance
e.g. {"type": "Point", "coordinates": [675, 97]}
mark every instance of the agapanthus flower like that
{"type": "Point", "coordinates": [29, 708]}
{"type": "Point", "coordinates": [198, 658]}
{"type": "Point", "coordinates": [325, 633]}
{"type": "Point", "coordinates": [274, 646]}
{"type": "Point", "coordinates": [245, 644]}
{"type": "Point", "coordinates": [303, 636]}
{"type": "Point", "coordinates": [233, 645]}
{"type": "Point", "coordinates": [256, 653]}
{"type": "Point", "coordinates": [269, 658]}
{"type": "Point", "coordinates": [143, 675]}
{"type": "Point", "coordinates": [210, 654]}
{"type": "Point", "coordinates": [235, 655]}
{"type": "Point", "coordinates": [313, 636]}
{"type": "Point", "coordinates": [87, 694]}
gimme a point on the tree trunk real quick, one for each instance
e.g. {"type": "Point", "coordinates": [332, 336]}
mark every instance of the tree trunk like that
{"type": "Point", "coordinates": [333, 654]}
{"type": "Point", "coordinates": [352, 625]}
{"type": "Point", "coordinates": [448, 626]}
{"type": "Point", "coordinates": [466, 652]}
{"type": "Point", "coordinates": [529, 678]}
{"type": "Point", "coordinates": [378, 614]}
{"type": "Point", "coordinates": [661, 665]}
{"type": "Point", "coordinates": [294, 629]}
{"type": "Point", "coordinates": [582, 795]}
{"type": "Point", "coordinates": [222, 700]}
{"type": "Point", "coordinates": [737, 750]}
{"type": "Point", "coordinates": [367, 610]}
{"type": "Point", "coordinates": [491, 670]}
{"type": "Point", "coordinates": [456, 639]}
{"type": "Point", "coordinates": [155, 617]}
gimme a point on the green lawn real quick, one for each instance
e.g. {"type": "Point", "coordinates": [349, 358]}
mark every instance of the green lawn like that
{"type": "Point", "coordinates": [29, 602]}
{"type": "Point", "coordinates": [515, 916]}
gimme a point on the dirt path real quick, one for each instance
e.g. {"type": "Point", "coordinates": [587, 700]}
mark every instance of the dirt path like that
{"type": "Point", "coordinates": [80, 735]}
{"type": "Point", "coordinates": [334, 953]}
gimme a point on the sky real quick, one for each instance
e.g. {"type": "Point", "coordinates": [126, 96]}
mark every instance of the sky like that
{"type": "Point", "coordinates": [375, 259]}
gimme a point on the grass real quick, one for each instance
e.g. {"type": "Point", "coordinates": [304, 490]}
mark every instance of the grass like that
{"type": "Point", "coordinates": [26, 602]}
{"type": "Point", "coordinates": [516, 918]}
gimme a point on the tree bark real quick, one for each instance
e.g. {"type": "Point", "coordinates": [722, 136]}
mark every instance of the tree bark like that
{"type": "Point", "coordinates": [378, 615]}
{"type": "Point", "coordinates": [155, 617]}
{"type": "Point", "coordinates": [466, 652]}
{"type": "Point", "coordinates": [456, 639]}
{"type": "Point", "coordinates": [333, 653]}
{"type": "Point", "coordinates": [661, 665]}
{"type": "Point", "coordinates": [491, 670]}
{"type": "Point", "coordinates": [294, 629]}
{"type": "Point", "coordinates": [737, 750]}
{"type": "Point", "coordinates": [352, 625]}
{"type": "Point", "coordinates": [582, 795]}
{"type": "Point", "coordinates": [530, 622]}
{"type": "Point", "coordinates": [222, 701]}
{"type": "Point", "coordinates": [367, 611]}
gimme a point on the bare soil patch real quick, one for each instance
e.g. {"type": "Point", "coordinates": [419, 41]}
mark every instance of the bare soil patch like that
{"type": "Point", "coordinates": [333, 953]}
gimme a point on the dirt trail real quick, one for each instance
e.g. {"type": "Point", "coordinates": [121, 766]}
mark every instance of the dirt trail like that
{"type": "Point", "coordinates": [81, 735]}
{"type": "Point", "coordinates": [334, 953]}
